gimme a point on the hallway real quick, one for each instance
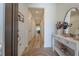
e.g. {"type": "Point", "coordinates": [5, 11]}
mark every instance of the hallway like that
{"type": "Point", "coordinates": [35, 32]}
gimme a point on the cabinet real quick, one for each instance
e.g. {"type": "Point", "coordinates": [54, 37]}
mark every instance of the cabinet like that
{"type": "Point", "coordinates": [69, 43]}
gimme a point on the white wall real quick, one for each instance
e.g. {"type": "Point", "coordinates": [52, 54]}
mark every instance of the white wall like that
{"type": "Point", "coordinates": [2, 28]}
{"type": "Point", "coordinates": [23, 30]}
{"type": "Point", "coordinates": [49, 21]}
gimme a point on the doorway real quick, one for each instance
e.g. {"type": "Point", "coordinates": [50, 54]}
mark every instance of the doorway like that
{"type": "Point", "coordinates": [36, 27]}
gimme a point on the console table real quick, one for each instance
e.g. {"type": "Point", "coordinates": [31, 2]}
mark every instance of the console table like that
{"type": "Point", "coordinates": [69, 42]}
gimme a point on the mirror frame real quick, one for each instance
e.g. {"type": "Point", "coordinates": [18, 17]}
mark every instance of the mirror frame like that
{"type": "Point", "coordinates": [65, 23]}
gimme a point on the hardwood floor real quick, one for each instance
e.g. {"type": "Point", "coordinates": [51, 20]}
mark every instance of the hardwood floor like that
{"type": "Point", "coordinates": [36, 42]}
{"type": "Point", "coordinates": [39, 52]}
{"type": "Point", "coordinates": [35, 48]}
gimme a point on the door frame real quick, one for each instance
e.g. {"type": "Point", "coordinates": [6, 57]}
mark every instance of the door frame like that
{"type": "Point", "coordinates": [11, 28]}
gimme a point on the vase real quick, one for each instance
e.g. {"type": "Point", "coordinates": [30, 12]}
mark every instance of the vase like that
{"type": "Point", "coordinates": [59, 31]}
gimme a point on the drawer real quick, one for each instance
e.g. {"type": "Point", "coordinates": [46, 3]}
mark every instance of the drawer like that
{"type": "Point", "coordinates": [70, 44]}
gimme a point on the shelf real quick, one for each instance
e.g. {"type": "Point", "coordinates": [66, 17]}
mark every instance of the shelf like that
{"type": "Point", "coordinates": [59, 52]}
{"type": "Point", "coordinates": [67, 38]}
{"type": "Point", "coordinates": [69, 42]}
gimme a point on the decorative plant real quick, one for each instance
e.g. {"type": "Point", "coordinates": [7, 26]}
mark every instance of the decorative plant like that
{"type": "Point", "coordinates": [59, 25]}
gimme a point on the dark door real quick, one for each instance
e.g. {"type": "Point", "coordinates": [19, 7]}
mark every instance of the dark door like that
{"type": "Point", "coordinates": [11, 28]}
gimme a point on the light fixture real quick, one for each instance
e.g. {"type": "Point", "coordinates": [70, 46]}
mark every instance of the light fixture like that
{"type": "Point", "coordinates": [36, 11]}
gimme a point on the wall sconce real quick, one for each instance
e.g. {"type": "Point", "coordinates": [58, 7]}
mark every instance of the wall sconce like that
{"type": "Point", "coordinates": [38, 28]}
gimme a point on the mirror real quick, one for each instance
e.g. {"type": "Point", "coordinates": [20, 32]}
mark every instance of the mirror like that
{"type": "Point", "coordinates": [71, 21]}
